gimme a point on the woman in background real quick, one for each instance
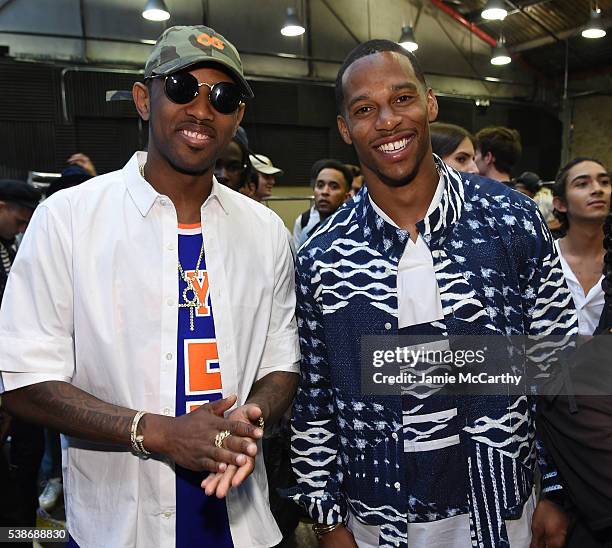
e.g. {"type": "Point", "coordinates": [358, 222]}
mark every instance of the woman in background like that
{"type": "Point", "coordinates": [454, 145]}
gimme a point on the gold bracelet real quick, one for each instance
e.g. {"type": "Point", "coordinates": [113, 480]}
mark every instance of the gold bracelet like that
{"type": "Point", "coordinates": [321, 529]}
{"type": "Point", "coordinates": [136, 439]}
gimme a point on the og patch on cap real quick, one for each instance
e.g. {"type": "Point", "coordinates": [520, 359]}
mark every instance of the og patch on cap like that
{"type": "Point", "coordinates": [181, 47]}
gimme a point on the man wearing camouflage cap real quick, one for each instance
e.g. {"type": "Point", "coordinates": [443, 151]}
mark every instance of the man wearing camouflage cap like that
{"type": "Point", "coordinates": [139, 326]}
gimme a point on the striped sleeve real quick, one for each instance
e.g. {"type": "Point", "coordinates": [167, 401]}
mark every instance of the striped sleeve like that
{"type": "Point", "coordinates": [314, 445]}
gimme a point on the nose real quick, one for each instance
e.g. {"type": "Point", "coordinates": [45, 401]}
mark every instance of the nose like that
{"type": "Point", "coordinates": [597, 188]}
{"type": "Point", "coordinates": [387, 119]}
{"type": "Point", "coordinates": [200, 108]}
{"type": "Point", "coordinates": [472, 167]}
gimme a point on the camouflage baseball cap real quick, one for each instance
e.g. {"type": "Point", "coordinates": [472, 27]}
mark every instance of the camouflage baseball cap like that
{"type": "Point", "coordinates": [181, 47]}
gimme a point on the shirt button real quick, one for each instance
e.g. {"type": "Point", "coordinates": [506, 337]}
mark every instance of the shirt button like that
{"type": "Point", "coordinates": [171, 247]}
{"type": "Point", "coordinates": [163, 202]}
{"type": "Point", "coordinates": [387, 326]}
{"type": "Point", "coordinates": [397, 485]}
{"type": "Point", "coordinates": [394, 435]}
{"type": "Point", "coordinates": [169, 356]}
{"type": "Point", "coordinates": [170, 302]}
{"type": "Point", "coordinates": [166, 411]}
{"type": "Point", "coordinates": [167, 515]}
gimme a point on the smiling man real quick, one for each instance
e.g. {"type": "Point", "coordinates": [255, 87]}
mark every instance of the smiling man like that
{"type": "Point", "coordinates": [421, 250]}
{"type": "Point", "coordinates": [124, 320]}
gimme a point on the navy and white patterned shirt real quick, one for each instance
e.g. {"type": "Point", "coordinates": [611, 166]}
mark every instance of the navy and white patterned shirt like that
{"type": "Point", "coordinates": [498, 273]}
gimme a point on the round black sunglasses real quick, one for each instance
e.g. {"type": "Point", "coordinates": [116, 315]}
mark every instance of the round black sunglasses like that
{"type": "Point", "coordinates": [183, 87]}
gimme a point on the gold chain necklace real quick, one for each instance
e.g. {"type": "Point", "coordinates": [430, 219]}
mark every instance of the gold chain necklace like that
{"type": "Point", "coordinates": [194, 302]}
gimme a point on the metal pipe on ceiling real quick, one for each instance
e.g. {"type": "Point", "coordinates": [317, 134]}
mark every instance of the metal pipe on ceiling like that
{"type": "Point", "coordinates": [463, 21]}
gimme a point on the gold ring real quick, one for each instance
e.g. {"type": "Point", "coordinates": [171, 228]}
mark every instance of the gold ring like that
{"type": "Point", "coordinates": [260, 422]}
{"type": "Point", "coordinates": [220, 437]}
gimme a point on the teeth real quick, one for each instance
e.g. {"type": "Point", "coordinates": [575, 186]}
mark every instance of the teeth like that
{"type": "Point", "coordinates": [395, 146]}
{"type": "Point", "coordinates": [194, 135]}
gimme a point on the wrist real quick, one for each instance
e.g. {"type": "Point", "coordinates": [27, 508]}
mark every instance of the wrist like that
{"type": "Point", "coordinates": [555, 497]}
{"type": "Point", "coordinates": [154, 429]}
{"type": "Point", "coordinates": [322, 529]}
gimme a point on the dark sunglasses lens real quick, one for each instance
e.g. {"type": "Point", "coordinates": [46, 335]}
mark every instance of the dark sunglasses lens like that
{"type": "Point", "coordinates": [225, 97]}
{"type": "Point", "coordinates": [181, 88]}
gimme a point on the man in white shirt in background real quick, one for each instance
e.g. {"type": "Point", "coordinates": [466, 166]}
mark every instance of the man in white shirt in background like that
{"type": "Point", "coordinates": [582, 203]}
{"type": "Point", "coordinates": [130, 295]}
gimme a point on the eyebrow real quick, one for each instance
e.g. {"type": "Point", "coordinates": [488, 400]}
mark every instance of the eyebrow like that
{"type": "Point", "coordinates": [586, 176]}
{"type": "Point", "coordinates": [396, 87]}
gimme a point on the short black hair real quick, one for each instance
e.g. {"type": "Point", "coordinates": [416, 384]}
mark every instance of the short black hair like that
{"type": "Point", "coordinates": [504, 143]}
{"type": "Point", "coordinates": [445, 138]}
{"type": "Point", "coordinates": [559, 187]}
{"type": "Point", "coordinates": [370, 48]}
{"type": "Point", "coordinates": [330, 163]}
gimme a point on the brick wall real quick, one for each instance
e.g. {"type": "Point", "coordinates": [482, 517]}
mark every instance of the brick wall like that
{"type": "Point", "coordinates": [592, 134]}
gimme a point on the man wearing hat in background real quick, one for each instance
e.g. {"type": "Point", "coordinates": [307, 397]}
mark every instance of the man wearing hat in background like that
{"type": "Point", "coordinates": [19, 476]}
{"type": "Point", "coordinates": [263, 177]}
{"type": "Point", "coordinates": [137, 316]}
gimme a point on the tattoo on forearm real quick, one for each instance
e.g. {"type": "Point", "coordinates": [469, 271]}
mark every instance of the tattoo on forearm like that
{"type": "Point", "coordinates": [74, 412]}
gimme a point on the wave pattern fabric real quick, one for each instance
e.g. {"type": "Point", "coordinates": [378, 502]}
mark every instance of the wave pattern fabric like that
{"type": "Point", "coordinates": [390, 460]}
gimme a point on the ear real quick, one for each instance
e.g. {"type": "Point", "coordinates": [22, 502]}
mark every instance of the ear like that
{"type": "Point", "coordinates": [348, 196]}
{"type": "Point", "coordinates": [432, 106]}
{"type": "Point", "coordinates": [343, 129]}
{"type": "Point", "coordinates": [142, 100]}
{"type": "Point", "coordinates": [489, 158]}
{"type": "Point", "coordinates": [559, 204]}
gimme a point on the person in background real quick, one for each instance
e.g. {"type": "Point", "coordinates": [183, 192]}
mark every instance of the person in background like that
{"type": "Point", "coordinates": [263, 177]}
{"type": "Point", "coordinates": [357, 179]}
{"type": "Point", "coordinates": [233, 167]}
{"type": "Point", "coordinates": [582, 203]}
{"type": "Point", "coordinates": [84, 162]}
{"type": "Point", "coordinates": [455, 145]}
{"type": "Point", "coordinates": [498, 149]}
{"type": "Point", "coordinates": [73, 175]}
{"type": "Point", "coordinates": [528, 183]}
{"type": "Point", "coordinates": [575, 424]}
{"type": "Point", "coordinates": [18, 474]}
{"type": "Point", "coordinates": [304, 224]}
{"type": "Point", "coordinates": [332, 187]}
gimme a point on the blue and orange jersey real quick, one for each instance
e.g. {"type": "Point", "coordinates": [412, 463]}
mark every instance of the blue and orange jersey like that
{"type": "Point", "coordinates": [200, 520]}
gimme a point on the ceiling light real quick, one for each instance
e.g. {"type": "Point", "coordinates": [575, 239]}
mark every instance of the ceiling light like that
{"type": "Point", "coordinates": [595, 28]}
{"type": "Point", "coordinates": [407, 39]}
{"type": "Point", "coordinates": [494, 10]}
{"type": "Point", "coordinates": [156, 10]}
{"type": "Point", "coordinates": [500, 55]}
{"type": "Point", "coordinates": [292, 26]}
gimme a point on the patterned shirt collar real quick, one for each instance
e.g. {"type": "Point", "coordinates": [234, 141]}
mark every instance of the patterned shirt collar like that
{"type": "Point", "coordinates": [390, 240]}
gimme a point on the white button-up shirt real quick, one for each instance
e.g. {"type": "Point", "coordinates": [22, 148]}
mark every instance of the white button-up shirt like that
{"type": "Point", "coordinates": [588, 307]}
{"type": "Point", "coordinates": [92, 300]}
